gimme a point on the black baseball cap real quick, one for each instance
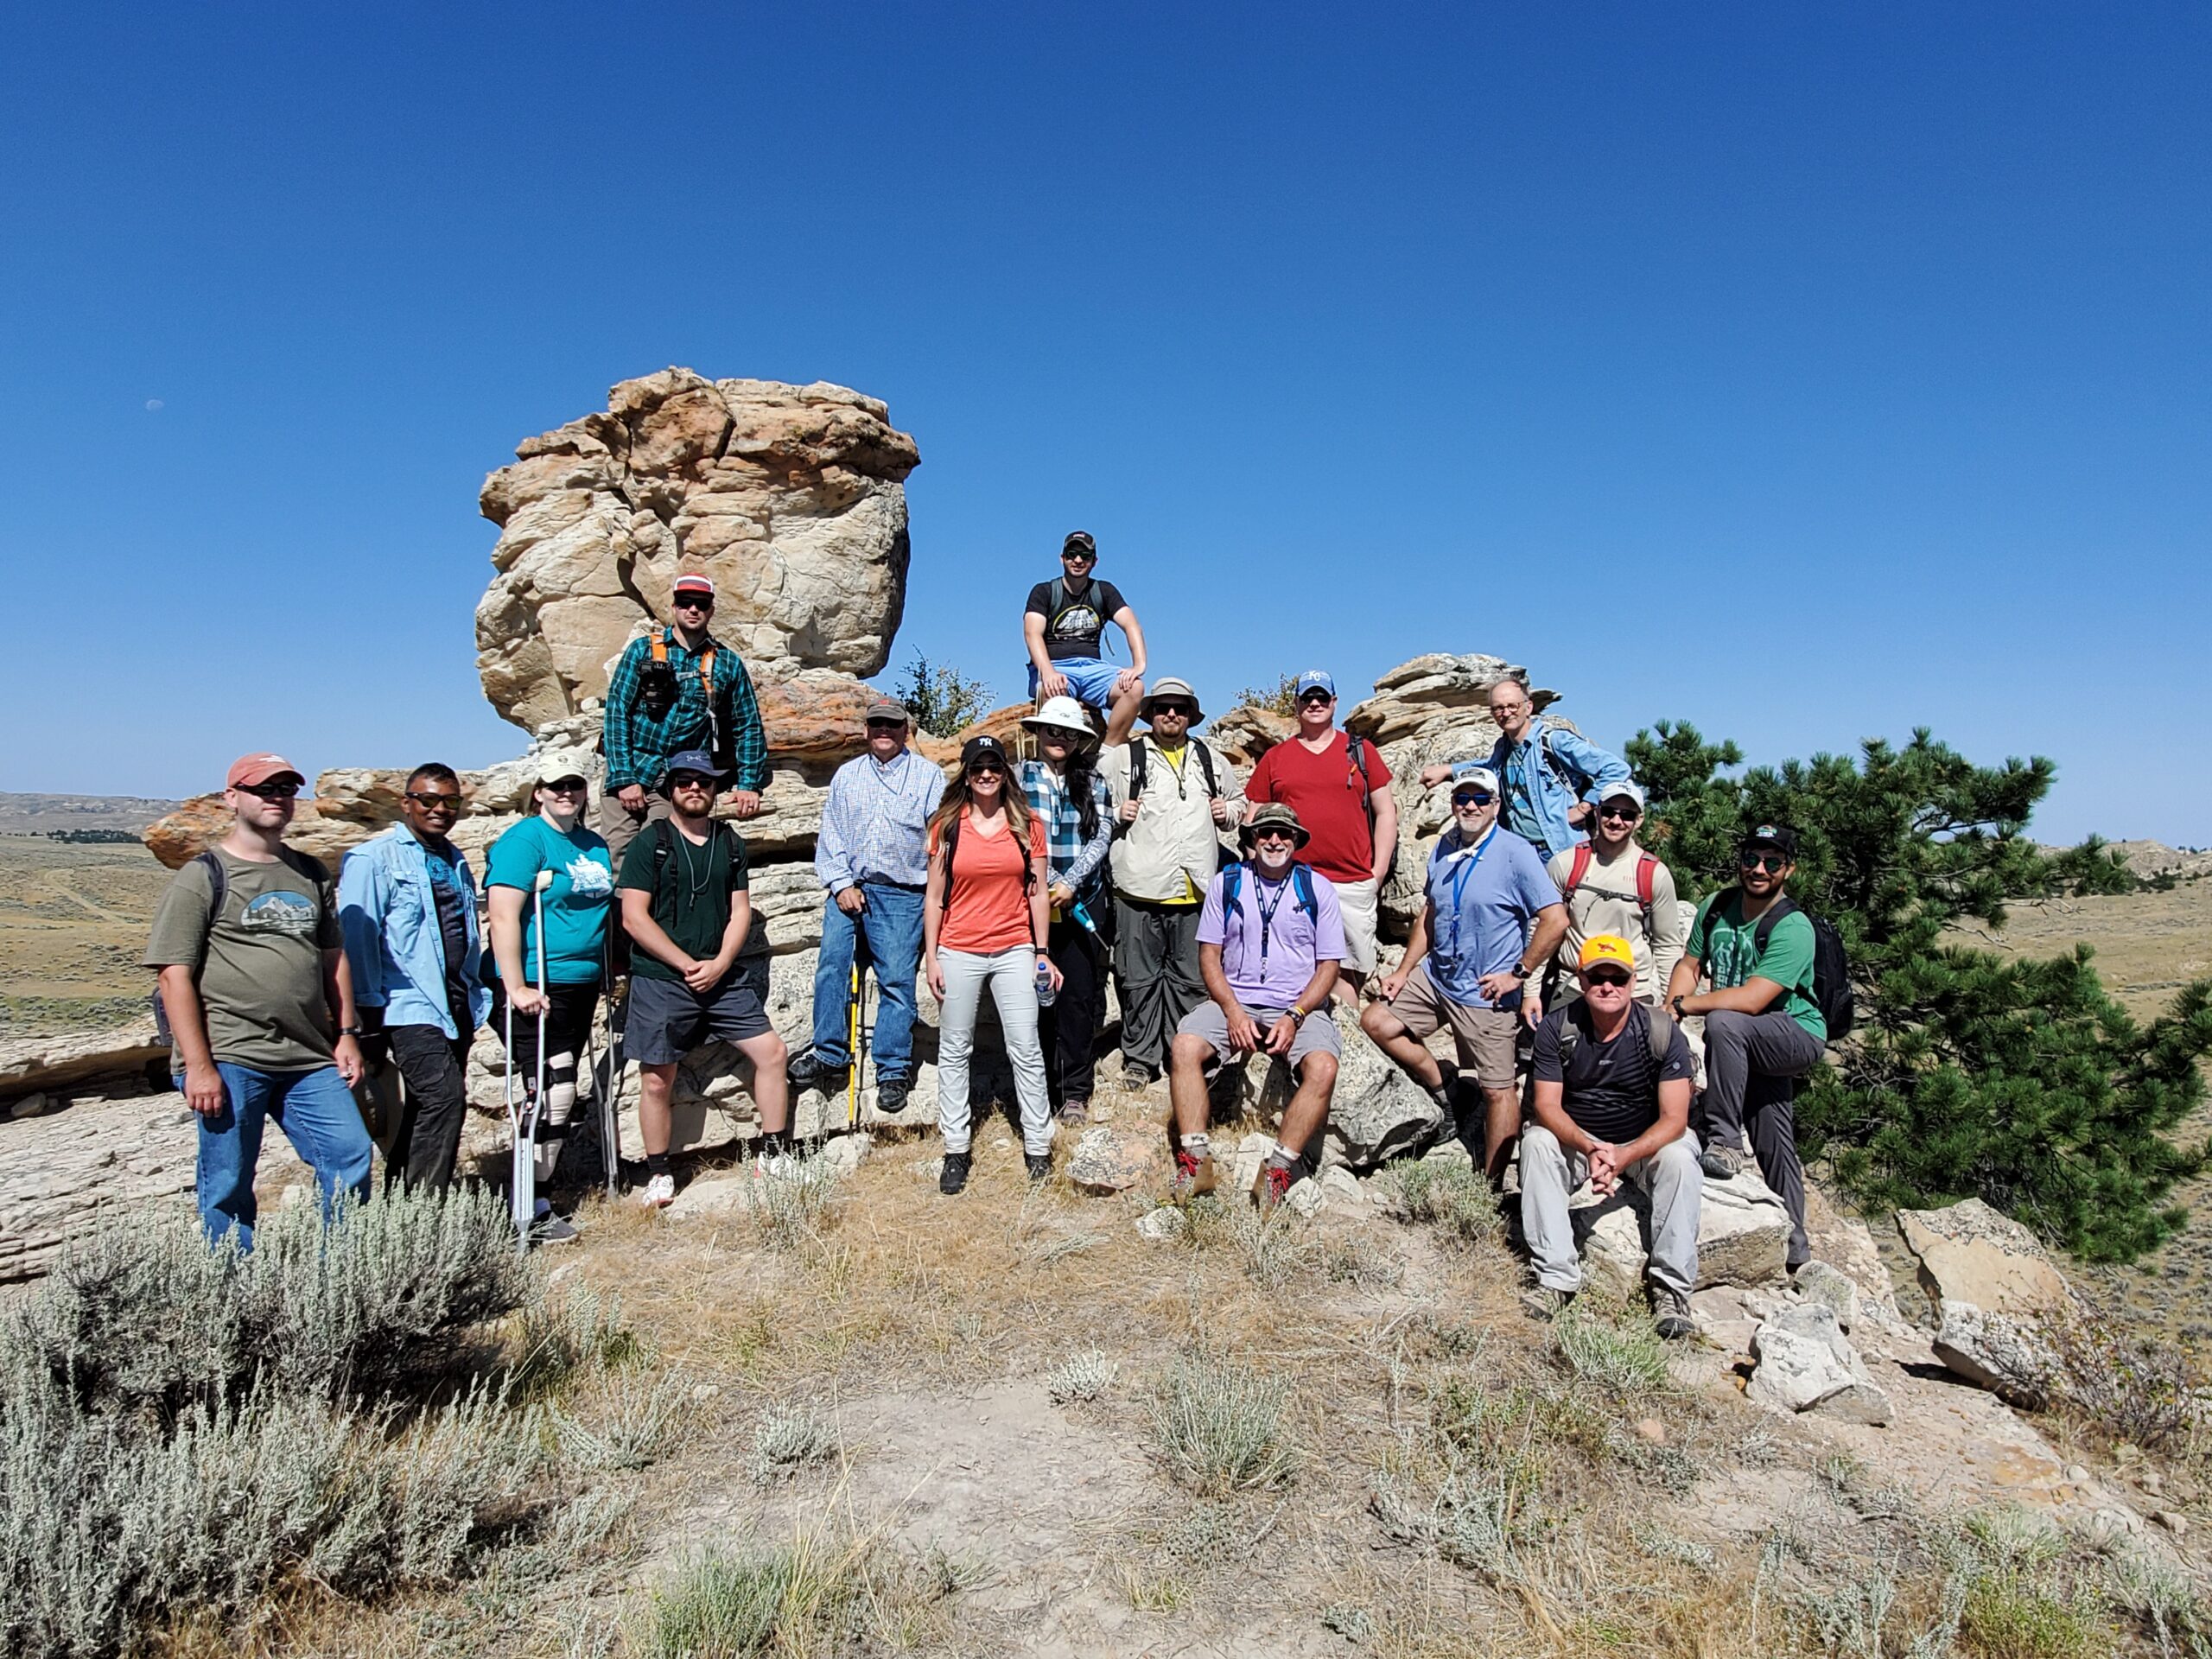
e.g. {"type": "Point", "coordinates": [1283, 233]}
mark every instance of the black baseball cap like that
{"type": "Point", "coordinates": [1780, 838]}
{"type": "Point", "coordinates": [984, 748]}
{"type": "Point", "coordinates": [1079, 540]}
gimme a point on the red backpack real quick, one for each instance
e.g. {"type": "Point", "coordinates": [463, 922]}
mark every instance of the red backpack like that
{"type": "Point", "coordinates": [1647, 873]}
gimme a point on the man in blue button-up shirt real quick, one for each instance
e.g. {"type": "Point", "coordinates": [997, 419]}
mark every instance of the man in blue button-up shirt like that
{"type": "Point", "coordinates": [869, 855]}
{"type": "Point", "coordinates": [1553, 778]}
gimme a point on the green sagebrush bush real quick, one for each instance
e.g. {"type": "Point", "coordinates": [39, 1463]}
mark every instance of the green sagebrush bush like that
{"type": "Point", "coordinates": [182, 1427]}
{"type": "Point", "coordinates": [1969, 1074]}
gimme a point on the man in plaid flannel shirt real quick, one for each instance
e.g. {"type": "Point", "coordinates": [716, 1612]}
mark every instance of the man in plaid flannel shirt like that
{"type": "Point", "coordinates": [637, 746]}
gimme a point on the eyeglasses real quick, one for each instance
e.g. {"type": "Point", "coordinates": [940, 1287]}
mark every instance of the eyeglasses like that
{"type": "Point", "coordinates": [1626, 814]}
{"type": "Point", "coordinates": [1059, 735]}
{"type": "Point", "coordinates": [433, 802]}
{"type": "Point", "coordinates": [694, 602]}
{"type": "Point", "coordinates": [567, 786]}
{"type": "Point", "coordinates": [1608, 976]}
{"type": "Point", "coordinates": [276, 791]}
{"type": "Point", "coordinates": [1472, 798]}
{"type": "Point", "coordinates": [1769, 861]}
{"type": "Point", "coordinates": [1503, 709]}
{"type": "Point", "coordinates": [691, 781]}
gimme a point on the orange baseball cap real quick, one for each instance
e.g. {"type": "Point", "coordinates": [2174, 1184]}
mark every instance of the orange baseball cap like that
{"type": "Point", "coordinates": [250, 769]}
{"type": "Point", "coordinates": [1607, 947]}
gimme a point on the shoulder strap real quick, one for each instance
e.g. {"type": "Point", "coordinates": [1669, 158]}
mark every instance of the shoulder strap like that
{"type": "Point", "coordinates": [1205, 765]}
{"type": "Point", "coordinates": [1232, 884]}
{"type": "Point", "coordinates": [1647, 878]}
{"type": "Point", "coordinates": [663, 846]}
{"type": "Point", "coordinates": [1301, 884]}
{"type": "Point", "coordinates": [947, 843]}
{"type": "Point", "coordinates": [1784, 905]}
{"type": "Point", "coordinates": [219, 889]}
{"type": "Point", "coordinates": [1576, 870]}
{"type": "Point", "coordinates": [1137, 747]}
{"type": "Point", "coordinates": [1661, 1024]}
{"type": "Point", "coordinates": [1056, 600]}
{"type": "Point", "coordinates": [659, 638]}
{"type": "Point", "coordinates": [1357, 745]}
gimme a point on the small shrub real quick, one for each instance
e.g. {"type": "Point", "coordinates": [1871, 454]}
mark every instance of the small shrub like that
{"type": "Point", "coordinates": [942, 700]}
{"type": "Point", "coordinates": [2011, 1615]}
{"type": "Point", "coordinates": [1281, 698]}
{"type": "Point", "coordinates": [786, 1438]}
{"type": "Point", "coordinates": [1619, 1357]}
{"type": "Point", "coordinates": [2131, 1386]}
{"type": "Point", "coordinates": [1082, 1377]}
{"type": "Point", "coordinates": [583, 1331]}
{"type": "Point", "coordinates": [1217, 1425]}
{"type": "Point", "coordinates": [1355, 1260]}
{"type": "Point", "coordinates": [792, 1210]}
{"type": "Point", "coordinates": [721, 1606]}
{"type": "Point", "coordinates": [627, 1421]}
{"type": "Point", "coordinates": [1207, 1533]}
{"type": "Point", "coordinates": [1451, 1198]}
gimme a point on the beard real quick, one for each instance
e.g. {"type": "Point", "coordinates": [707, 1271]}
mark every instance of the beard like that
{"type": "Point", "coordinates": [1274, 862]}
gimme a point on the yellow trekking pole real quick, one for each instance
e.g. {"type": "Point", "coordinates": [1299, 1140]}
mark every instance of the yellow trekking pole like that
{"type": "Point", "coordinates": [853, 1080]}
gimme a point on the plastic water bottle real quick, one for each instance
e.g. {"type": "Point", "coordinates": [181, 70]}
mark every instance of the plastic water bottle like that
{"type": "Point", "coordinates": [1044, 991]}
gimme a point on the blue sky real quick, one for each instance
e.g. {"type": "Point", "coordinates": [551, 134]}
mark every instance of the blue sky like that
{"type": "Point", "coordinates": [1570, 334]}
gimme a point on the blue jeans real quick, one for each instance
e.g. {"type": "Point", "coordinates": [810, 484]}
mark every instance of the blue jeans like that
{"type": "Point", "coordinates": [316, 1112]}
{"type": "Point", "coordinates": [892, 925]}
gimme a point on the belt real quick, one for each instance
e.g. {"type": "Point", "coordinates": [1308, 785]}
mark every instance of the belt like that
{"type": "Point", "coordinates": [885, 881]}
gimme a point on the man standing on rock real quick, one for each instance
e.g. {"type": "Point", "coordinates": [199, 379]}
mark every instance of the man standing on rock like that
{"type": "Point", "coordinates": [1171, 805]}
{"type": "Point", "coordinates": [1492, 915]}
{"type": "Point", "coordinates": [678, 688]}
{"type": "Point", "coordinates": [1611, 1099]}
{"type": "Point", "coordinates": [1340, 787]}
{"type": "Point", "coordinates": [1612, 886]}
{"type": "Point", "coordinates": [1553, 779]}
{"type": "Point", "coordinates": [1270, 943]}
{"type": "Point", "coordinates": [871, 858]}
{"type": "Point", "coordinates": [259, 1003]}
{"type": "Point", "coordinates": [1065, 626]}
{"type": "Point", "coordinates": [408, 903]}
{"type": "Point", "coordinates": [687, 909]}
{"type": "Point", "coordinates": [1763, 1029]}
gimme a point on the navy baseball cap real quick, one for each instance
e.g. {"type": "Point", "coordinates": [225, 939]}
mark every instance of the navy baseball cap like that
{"type": "Point", "coordinates": [1781, 839]}
{"type": "Point", "coordinates": [1313, 680]}
{"type": "Point", "coordinates": [697, 761]}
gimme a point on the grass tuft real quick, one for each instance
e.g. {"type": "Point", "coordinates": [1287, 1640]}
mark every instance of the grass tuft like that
{"type": "Point", "coordinates": [787, 1437]}
{"type": "Point", "coordinates": [1623, 1357]}
{"type": "Point", "coordinates": [1082, 1377]}
{"type": "Point", "coordinates": [793, 1210]}
{"type": "Point", "coordinates": [1217, 1425]}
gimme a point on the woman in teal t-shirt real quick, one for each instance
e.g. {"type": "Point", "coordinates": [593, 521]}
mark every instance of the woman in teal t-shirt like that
{"type": "Point", "coordinates": [577, 908]}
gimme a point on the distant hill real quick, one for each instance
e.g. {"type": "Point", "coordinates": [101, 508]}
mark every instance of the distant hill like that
{"type": "Point", "coordinates": [34, 814]}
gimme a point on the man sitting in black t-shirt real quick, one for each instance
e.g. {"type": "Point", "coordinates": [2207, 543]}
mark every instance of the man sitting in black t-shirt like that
{"type": "Point", "coordinates": [1611, 1098]}
{"type": "Point", "coordinates": [1065, 624]}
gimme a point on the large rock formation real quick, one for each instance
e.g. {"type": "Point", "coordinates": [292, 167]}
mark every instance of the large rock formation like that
{"type": "Point", "coordinates": [790, 497]}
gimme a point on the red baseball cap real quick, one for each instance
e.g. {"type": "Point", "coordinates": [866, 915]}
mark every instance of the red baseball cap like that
{"type": "Point", "coordinates": [250, 769]}
{"type": "Point", "coordinates": [696, 583]}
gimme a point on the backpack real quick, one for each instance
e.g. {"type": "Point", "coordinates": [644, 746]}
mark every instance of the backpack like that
{"type": "Point", "coordinates": [1647, 874]}
{"type": "Point", "coordinates": [1301, 891]}
{"type": "Point", "coordinates": [219, 889]}
{"type": "Point", "coordinates": [1567, 771]}
{"type": "Point", "coordinates": [1137, 766]}
{"type": "Point", "coordinates": [663, 835]}
{"type": "Point", "coordinates": [1660, 1022]}
{"type": "Point", "coordinates": [1832, 992]}
{"type": "Point", "coordinates": [950, 841]}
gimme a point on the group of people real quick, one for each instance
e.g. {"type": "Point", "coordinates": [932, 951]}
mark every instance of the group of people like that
{"type": "Point", "coordinates": [1550, 943]}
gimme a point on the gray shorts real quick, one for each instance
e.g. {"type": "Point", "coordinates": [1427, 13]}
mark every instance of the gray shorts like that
{"type": "Point", "coordinates": [667, 1018]}
{"type": "Point", "coordinates": [1317, 1035]}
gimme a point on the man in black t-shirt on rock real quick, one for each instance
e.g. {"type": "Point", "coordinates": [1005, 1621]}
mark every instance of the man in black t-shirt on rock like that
{"type": "Point", "coordinates": [1611, 1099]}
{"type": "Point", "coordinates": [1065, 624]}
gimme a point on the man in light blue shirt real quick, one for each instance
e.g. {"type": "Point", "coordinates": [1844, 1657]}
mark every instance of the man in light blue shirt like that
{"type": "Point", "coordinates": [1487, 891]}
{"type": "Point", "coordinates": [871, 858]}
{"type": "Point", "coordinates": [1553, 779]}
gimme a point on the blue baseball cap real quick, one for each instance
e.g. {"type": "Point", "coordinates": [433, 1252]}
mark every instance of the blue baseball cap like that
{"type": "Point", "coordinates": [1313, 680]}
{"type": "Point", "coordinates": [697, 761]}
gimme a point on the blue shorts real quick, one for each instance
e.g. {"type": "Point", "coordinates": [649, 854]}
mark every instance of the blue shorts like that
{"type": "Point", "coordinates": [1089, 681]}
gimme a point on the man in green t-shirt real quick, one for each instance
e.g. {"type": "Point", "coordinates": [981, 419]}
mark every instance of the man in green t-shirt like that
{"type": "Point", "coordinates": [260, 1004]}
{"type": "Point", "coordinates": [697, 971]}
{"type": "Point", "coordinates": [1763, 1029]}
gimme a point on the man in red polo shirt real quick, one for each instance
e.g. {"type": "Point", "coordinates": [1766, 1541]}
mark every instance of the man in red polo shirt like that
{"type": "Point", "coordinates": [1340, 789]}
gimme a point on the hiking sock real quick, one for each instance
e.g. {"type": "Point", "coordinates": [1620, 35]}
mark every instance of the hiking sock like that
{"type": "Point", "coordinates": [1198, 1146]}
{"type": "Point", "coordinates": [1447, 1079]}
{"type": "Point", "coordinates": [774, 1141]}
{"type": "Point", "coordinates": [656, 1163]}
{"type": "Point", "coordinates": [1283, 1159]}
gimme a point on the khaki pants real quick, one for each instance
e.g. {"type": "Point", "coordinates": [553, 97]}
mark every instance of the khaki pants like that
{"type": "Point", "coordinates": [620, 829]}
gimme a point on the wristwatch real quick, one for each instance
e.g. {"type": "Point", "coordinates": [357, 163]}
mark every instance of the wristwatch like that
{"type": "Point", "coordinates": [1522, 970]}
{"type": "Point", "coordinates": [1297, 1015]}
{"type": "Point", "coordinates": [353, 1030]}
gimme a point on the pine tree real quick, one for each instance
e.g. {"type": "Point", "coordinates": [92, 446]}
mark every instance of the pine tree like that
{"type": "Point", "coordinates": [1969, 1074]}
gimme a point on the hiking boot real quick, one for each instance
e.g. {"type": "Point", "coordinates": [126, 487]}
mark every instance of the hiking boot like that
{"type": "Point", "coordinates": [811, 1071]}
{"type": "Point", "coordinates": [1038, 1164]}
{"type": "Point", "coordinates": [1670, 1314]}
{"type": "Point", "coordinates": [891, 1097]}
{"type": "Point", "coordinates": [1722, 1163]}
{"type": "Point", "coordinates": [1137, 1075]}
{"type": "Point", "coordinates": [1194, 1175]}
{"type": "Point", "coordinates": [1076, 1113]}
{"type": "Point", "coordinates": [659, 1194]}
{"type": "Point", "coordinates": [1272, 1185]}
{"type": "Point", "coordinates": [954, 1175]}
{"type": "Point", "coordinates": [1543, 1304]}
{"type": "Point", "coordinates": [553, 1229]}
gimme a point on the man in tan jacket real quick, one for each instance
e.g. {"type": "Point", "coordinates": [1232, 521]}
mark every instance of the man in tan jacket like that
{"type": "Point", "coordinates": [1173, 795]}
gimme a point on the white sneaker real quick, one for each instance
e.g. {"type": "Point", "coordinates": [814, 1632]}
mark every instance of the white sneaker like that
{"type": "Point", "coordinates": [773, 1165]}
{"type": "Point", "coordinates": [659, 1194]}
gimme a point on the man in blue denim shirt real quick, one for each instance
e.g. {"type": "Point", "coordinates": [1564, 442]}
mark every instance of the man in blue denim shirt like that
{"type": "Point", "coordinates": [407, 902]}
{"type": "Point", "coordinates": [1553, 778]}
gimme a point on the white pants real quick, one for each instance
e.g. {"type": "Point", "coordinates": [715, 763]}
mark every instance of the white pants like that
{"type": "Point", "coordinates": [1012, 975]}
{"type": "Point", "coordinates": [1356, 902]}
{"type": "Point", "coordinates": [1549, 1174]}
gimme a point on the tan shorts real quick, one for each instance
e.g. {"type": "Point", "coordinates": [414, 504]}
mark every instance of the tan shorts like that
{"type": "Point", "coordinates": [1483, 1036]}
{"type": "Point", "coordinates": [1357, 899]}
{"type": "Point", "coordinates": [1317, 1035]}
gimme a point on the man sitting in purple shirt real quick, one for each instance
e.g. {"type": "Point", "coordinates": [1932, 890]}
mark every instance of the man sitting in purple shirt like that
{"type": "Point", "coordinates": [1270, 939]}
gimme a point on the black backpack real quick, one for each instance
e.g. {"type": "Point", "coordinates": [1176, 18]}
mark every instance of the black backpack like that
{"type": "Point", "coordinates": [1832, 992]}
{"type": "Point", "coordinates": [950, 842]}
{"type": "Point", "coordinates": [1137, 766]}
{"type": "Point", "coordinates": [219, 889]}
{"type": "Point", "coordinates": [1355, 746]}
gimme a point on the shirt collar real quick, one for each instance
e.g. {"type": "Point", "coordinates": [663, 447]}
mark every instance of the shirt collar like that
{"type": "Point", "coordinates": [1464, 850]}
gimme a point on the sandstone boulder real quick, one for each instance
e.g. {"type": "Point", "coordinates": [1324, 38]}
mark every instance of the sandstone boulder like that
{"type": "Point", "coordinates": [1109, 1159]}
{"type": "Point", "coordinates": [790, 497]}
{"type": "Point", "coordinates": [1806, 1363]}
{"type": "Point", "coordinates": [1970, 1253]}
{"type": "Point", "coordinates": [200, 822]}
{"type": "Point", "coordinates": [1743, 1234]}
{"type": "Point", "coordinates": [124, 1054]}
{"type": "Point", "coordinates": [1377, 1114]}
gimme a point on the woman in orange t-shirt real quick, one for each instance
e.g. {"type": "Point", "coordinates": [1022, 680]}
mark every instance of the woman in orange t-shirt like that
{"type": "Point", "coordinates": [981, 918]}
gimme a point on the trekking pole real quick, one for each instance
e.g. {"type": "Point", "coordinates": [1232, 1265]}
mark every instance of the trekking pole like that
{"type": "Point", "coordinates": [853, 1080]}
{"type": "Point", "coordinates": [524, 1182]}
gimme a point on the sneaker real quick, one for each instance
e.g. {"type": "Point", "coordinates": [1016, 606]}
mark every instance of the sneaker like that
{"type": "Point", "coordinates": [1272, 1184]}
{"type": "Point", "coordinates": [1670, 1314]}
{"type": "Point", "coordinates": [1137, 1075]}
{"type": "Point", "coordinates": [1722, 1163]}
{"type": "Point", "coordinates": [954, 1175]}
{"type": "Point", "coordinates": [810, 1070]}
{"type": "Point", "coordinates": [1194, 1175]}
{"type": "Point", "coordinates": [659, 1194]}
{"type": "Point", "coordinates": [772, 1166]}
{"type": "Point", "coordinates": [1075, 1112]}
{"type": "Point", "coordinates": [1038, 1164]}
{"type": "Point", "coordinates": [891, 1097]}
{"type": "Point", "coordinates": [554, 1229]}
{"type": "Point", "coordinates": [1543, 1304]}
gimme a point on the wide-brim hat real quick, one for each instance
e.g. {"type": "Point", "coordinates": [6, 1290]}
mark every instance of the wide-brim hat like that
{"type": "Point", "coordinates": [1066, 714]}
{"type": "Point", "coordinates": [1168, 686]}
{"type": "Point", "coordinates": [1275, 815]}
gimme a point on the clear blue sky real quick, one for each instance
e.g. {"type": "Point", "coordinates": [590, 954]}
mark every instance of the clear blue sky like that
{"type": "Point", "coordinates": [1562, 332]}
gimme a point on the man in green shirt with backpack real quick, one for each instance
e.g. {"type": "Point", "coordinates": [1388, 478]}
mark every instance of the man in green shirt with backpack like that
{"type": "Point", "coordinates": [1764, 1028]}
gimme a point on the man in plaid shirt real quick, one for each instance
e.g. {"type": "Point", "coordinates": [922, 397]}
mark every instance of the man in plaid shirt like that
{"type": "Point", "coordinates": [725, 720]}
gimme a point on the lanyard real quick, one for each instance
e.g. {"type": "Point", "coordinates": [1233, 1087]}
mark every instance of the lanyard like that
{"type": "Point", "coordinates": [1459, 885]}
{"type": "Point", "coordinates": [1265, 911]}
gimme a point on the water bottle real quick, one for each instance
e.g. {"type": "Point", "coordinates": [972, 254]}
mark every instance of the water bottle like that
{"type": "Point", "coordinates": [1044, 991]}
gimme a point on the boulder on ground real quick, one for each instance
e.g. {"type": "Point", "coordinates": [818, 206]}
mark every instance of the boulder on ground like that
{"type": "Point", "coordinates": [1743, 1234]}
{"type": "Point", "coordinates": [33, 1065]}
{"type": "Point", "coordinates": [1109, 1159]}
{"type": "Point", "coordinates": [1993, 1287]}
{"type": "Point", "coordinates": [1376, 1113]}
{"type": "Point", "coordinates": [2006, 1355]}
{"type": "Point", "coordinates": [1805, 1364]}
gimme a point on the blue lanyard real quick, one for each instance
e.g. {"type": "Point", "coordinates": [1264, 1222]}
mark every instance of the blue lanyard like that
{"type": "Point", "coordinates": [1459, 886]}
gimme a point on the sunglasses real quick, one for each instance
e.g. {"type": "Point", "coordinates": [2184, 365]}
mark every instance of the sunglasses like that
{"type": "Point", "coordinates": [1275, 832]}
{"type": "Point", "coordinates": [1626, 814]}
{"type": "Point", "coordinates": [692, 781]}
{"type": "Point", "coordinates": [887, 725]}
{"type": "Point", "coordinates": [567, 786]}
{"type": "Point", "coordinates": [1472, 798]}
{"type": "Point", "coordinates": [276, 792]}
{"type": "Point", "coordinates": [1182, 709]}
{"type": "Point", "coordinates": [987, 769]}
{"type": "Point", "coordinates": [694, 602]}
{"type": "Point", "coordinates": [1317, 697]}
{"type": "Point", "coordinates": [432, 803]}
{"type": "Point", "coordinates": [1611, 976]}
{"type": "Point", "coordinates": [1059, 735]}
{"type": "Point", "coordinates": [1769, 861]}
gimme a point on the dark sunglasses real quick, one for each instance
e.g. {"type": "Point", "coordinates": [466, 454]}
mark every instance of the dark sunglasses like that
{"type": "Point", "coordinates": [1073, 556]}
{"type": "Point", "coordinates": [1471, 798]}
{"type": "Point", "coordinates": [430, 803]}
{"type": "Point", "coordinates": [1627, 814]}
{"type": "Point", "coordinates": [694, 602]}
{"type": "Point", "coordinates": [692, 781]}
{"type": "Point", "coordinates": [567, 786]}
{"type": "Point", "coordinates": [1317, 697]}
{"type": "Point", "coordinates": [887, 725]}
{"type": "Point", "coordinates": [1275, 832]}
{"type": "Point", "coordinates": [1173, 707]}
{"type": "Point", "coordinates": [277, 791]}
{"type": "Point", "coordinates": [1769, 861]}
{"type": "Point", "coordinates": [1610, 977]}
{"type": "Point", "coordinates": [987, 769]}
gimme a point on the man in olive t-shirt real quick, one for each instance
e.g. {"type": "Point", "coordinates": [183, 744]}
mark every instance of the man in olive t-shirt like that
{"type": "Point", "coordinates": [1763, 1029]}
{"type": "Point", "coordinates": [261, 1004]}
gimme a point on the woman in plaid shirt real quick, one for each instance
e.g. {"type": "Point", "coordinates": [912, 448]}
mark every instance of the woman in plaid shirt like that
{"type": "Point", "coordinates": [1071, 801]}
